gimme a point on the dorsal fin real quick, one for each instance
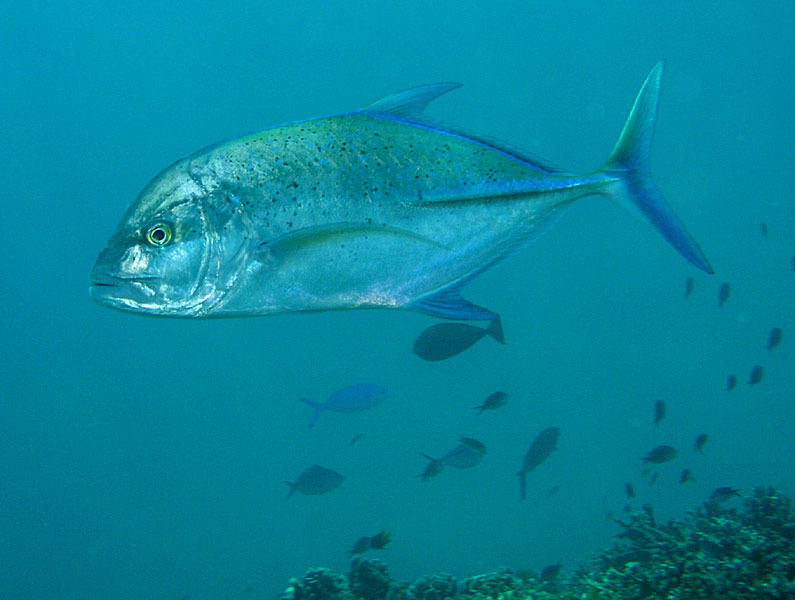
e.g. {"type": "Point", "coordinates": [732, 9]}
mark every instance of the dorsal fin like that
{"type": "Point", "coordinates": [411, 103]}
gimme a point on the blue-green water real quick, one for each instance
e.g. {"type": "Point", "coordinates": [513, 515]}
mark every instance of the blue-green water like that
{"type": "Point", "coordinates": [145, 458]}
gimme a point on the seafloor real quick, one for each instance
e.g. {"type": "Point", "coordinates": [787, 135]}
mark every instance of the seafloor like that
{"type": "Point", "coordinates": [713, 552]}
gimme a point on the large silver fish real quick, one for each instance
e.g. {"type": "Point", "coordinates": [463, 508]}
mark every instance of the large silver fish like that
{"type": "Point", "coordinates": [372, 208]}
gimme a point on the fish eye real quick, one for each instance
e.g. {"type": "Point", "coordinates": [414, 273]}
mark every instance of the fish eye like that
{"type": "Point", "coordinates": [159, 234]}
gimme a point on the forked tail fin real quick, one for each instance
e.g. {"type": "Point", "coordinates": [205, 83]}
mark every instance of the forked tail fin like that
{"type": "Point", "coordinates": [633, 187]}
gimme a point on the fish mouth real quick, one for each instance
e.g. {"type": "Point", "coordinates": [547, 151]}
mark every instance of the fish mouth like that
{"type": "Point", "coordinates": [123, 292]}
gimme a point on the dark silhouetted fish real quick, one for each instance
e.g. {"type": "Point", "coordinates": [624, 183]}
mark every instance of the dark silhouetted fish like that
{"type": "Point", "coordinates": [687, 475]}
{"type": "Point", "coordinates": [653, 478]}
{"type": "Point", "coordinates": [775, 338]}
{"type": "Point", "coordinates": [432, 469]}
{"type": "Point", "coordinates": [445, 340]}
{"type": "Point", "coordinates": [701, 439]}
{"type": "Point", "coordinates": [314, 481]}
{"type": "Point", "coordinates": [553, 490]}
{"type": "Point", "coordinates": [380, 540]}
{"type": "Point", "coordinates": [659, 411]}
{"type": "Point", "coordinates": [763, 228]}
{"type": "Point", "coordinates": [539, 451]}
{"type": "Point", "coordinates": [724, 293]}
{"type": "Point", "coordinates": [731, 381]}
{"type": "Point", "coordinates": [722, 494]}
{"type": "Point", "coordinates": [629, 490]}
{"type": "Point", "coordinates": [756, 375]}
{"type": "Point", "coordinates": [376, 542]}
{"type": "Point", "coordinates": [689, 284]}
{"type": "Point", "coordinates": [467, 454]}
{"type": "Point", "coordinates": [362, 545]}
{"type": "Point", "coordinates": [660, 454]}
{"type": "Point", "coordinates": [355, 439]}
{"type": "Point", "coordinates": [350, 399]}
{"type": "Point", "coordinates": [494, 401]}
{"type": "Point", "coordinates": [550, 573]}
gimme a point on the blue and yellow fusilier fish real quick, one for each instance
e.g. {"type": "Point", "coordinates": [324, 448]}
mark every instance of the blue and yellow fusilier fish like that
{"type": "Point", "coordinates": [375, 208]}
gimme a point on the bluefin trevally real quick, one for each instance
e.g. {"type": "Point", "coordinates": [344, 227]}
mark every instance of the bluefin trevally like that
{"type": "Point", "coordinates": [378, 207]}
{"type": "Point", "coordinates": [353, 398]}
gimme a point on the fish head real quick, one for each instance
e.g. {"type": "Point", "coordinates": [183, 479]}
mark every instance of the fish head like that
{"type": "Point", "coordinates": [176, 252]}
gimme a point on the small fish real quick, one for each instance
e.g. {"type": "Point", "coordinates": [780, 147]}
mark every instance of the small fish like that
{"type": "Point", "coordinates": [629, 490]}
{"type": "Point", "coordinates": [659, 411]}
{"type": "Point", "coordinates": [756, 375]}
{"type": "Point", "coordinates": [550, 573]}
{"type": "Point", "coordinates": [380, 540]}
{"type": "Point", "coordinates": [445, 340]}
{"type": "Point", "coordinates": [376, 542]}
{"type": "Point", "coordinates": [466, 455]}
{"type": "Point", "coordinates": [653, 478]}
{"type": "Point", "coordinates": [686, 475]}
{"type": "Point", "coordinates": [542, 446]}
{"type": "Point", "coordinates": [432, 469]}
{"type": "Point", "coordinates": [775, 338]}
{"type": "Point", "coordinates": [701, 439]}
{"type": "Point", "coordinates": [350, 399]}
{"type": "Point", "coordinates": [730, 383]}
{"type": "Point", "coordinates": [722, 494]}
{"type": "Point", "coordinates": [660, 454]}
{"type": "Point", "coordinates": [689, 285]}
{"type": "Point", "coordinates": [724, 293]}
{"type": "Point", "coordinates": [494, 401]}
{"type": "Point", "coordinates": [763, 228]}
{"type": "Point", "coordinates": [355, 439]}
{"type": "Point", "coordinates": [314, 481]}
{"type": "Point", "coordinates": [362, 545]}
{"type": "Point", "coordinates": [553, 490]}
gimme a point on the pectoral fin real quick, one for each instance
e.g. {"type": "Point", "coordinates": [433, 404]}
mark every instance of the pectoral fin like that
{"type": "Point", "coordinates": [274, 252]}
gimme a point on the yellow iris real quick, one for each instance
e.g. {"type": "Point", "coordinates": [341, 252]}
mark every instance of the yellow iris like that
{"type": "Point", "coordinates": [159, 234]}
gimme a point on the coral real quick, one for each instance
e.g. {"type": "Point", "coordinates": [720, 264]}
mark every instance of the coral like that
{"type": "Point", "coordinates": [318, 584]}
{"type": "Point", "coordinates": [433, 587]}
{"type": "Point", "coordinates": [369, 579]}
{"type": "Point", "coordinates": [491, 585]}
{"type": "Point", "coordinates": [713, 552]}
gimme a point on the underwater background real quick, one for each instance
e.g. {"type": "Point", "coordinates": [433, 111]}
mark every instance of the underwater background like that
{"type": "Point", "coordinates": [146, 458]}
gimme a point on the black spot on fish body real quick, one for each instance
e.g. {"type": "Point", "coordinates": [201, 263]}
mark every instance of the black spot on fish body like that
{"type": "Point", "coordinates": [756, 375]}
